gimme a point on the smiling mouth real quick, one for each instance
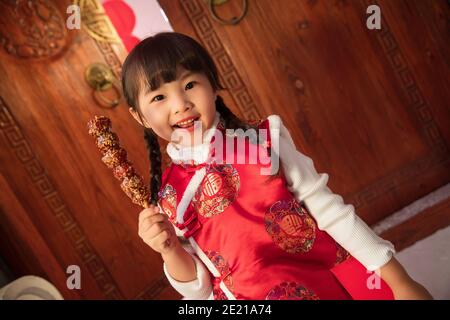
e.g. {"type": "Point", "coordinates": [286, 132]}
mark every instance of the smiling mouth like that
{"type": "Point", "coordinates": [186, 125]}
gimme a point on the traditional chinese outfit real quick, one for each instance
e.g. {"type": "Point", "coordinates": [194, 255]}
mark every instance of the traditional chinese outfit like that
{"type": "Point", "coordinates": [257, 236]}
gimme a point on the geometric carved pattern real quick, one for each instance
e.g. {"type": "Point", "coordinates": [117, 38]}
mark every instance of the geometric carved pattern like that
{"type": "Point", "coordinates": [200, 18]}
{"type": "Point", "coordinates": [110, 57]}
{"type": "Point", "coordinates": [152, 291]}
{"type": "Point", "coordinates": [419, 110]}
{"type": "Point", "coordinates": [397, 178]}
{"type": "Point", "coordinates": [96, 22]}
{"type": "Point", "coordinates": [417, 106]}
{"type": "Point", "coordinates": [416, 103]}
{"type": "Point", "coordinates": [72, 230]}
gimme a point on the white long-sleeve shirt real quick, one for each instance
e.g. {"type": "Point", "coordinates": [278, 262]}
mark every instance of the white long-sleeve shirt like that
{"type": "Point", "coordinates": [332, 215]}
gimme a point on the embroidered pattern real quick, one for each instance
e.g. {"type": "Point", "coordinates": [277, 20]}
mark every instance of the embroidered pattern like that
{"type": "Point", "coordinates": [217, 191]}
{"type": "Point", "coordinates": [290, 226]}
{"type": "Point", "coordinates": [291, 291]}
{"type": "Point", "coordinates": [168, 201]}
{"type": "Point", "coordinates": [225, 274]}
{"type": "Point", "coordinates": [219, 294]}
{"type": "Point", "coordinates": [341, 254]}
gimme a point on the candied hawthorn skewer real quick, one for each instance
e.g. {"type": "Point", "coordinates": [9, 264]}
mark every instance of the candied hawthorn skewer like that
{"type": "Point", "coordinates": [115, 158]}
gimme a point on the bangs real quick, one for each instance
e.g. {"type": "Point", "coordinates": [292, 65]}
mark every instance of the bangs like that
{"type": "Point", "coordinates": [154, 61]}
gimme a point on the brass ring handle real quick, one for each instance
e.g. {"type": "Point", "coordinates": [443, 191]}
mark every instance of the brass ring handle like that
{"type": "Point", "coordinates": [101, 78]}
{"type": "Point", "coordinates": [232, 21]}
{"type": "Point", "coordinates": [104, 102]}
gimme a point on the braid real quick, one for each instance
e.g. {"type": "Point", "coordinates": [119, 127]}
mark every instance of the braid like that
{"type": "Point", "coordinates": [154, 154]}
{"type": "Point", "coordinates": [230, 119]}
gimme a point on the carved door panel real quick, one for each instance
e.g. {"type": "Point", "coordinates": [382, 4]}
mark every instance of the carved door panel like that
{"type": "Point", "coordinates": [370, 107]}
{"type": "Point", "coordinates": [60, 205]}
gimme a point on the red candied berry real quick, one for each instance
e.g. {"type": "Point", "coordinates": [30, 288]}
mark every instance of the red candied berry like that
{"type": "Point", "coordinates": [98, 125]}
{"type": "Point", "coordinates": [123, 170]}
{"type": "Point", "coordinates": [114, 157]}
{"type": "Point", "coordinates": [107, 141]}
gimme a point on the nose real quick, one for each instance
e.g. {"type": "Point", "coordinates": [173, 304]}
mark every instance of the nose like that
{"type": "Point", "coordinates": [181, 103]}
{"type": "Point", "coordinates": [182, 108]}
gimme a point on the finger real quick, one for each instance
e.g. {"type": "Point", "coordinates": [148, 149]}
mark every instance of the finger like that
{"type": "Point", "coordinates": [144, 214]}
{"type": "Point", "coordinates": [149, 221]}
{"type": "Point", "coordinates": [154, 239]}
{"type": "Point", "coordinates": [156, 229]}
{"type": "Point", "coordinates": [161, 238]}
{"type": "Point", "coordinates": [147, 213]}
{"type": "Point", "coordinates": [155, 218]}
{"type": "Point", "coordinates": [154, 208]}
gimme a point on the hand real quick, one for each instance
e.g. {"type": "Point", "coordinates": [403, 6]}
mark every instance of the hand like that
{"type": "Point", "coordinates": [156, 230]}
{"type": "Point", "coordinates": [402, 285]}
{"type": "Point", "coordinates": [411, 290]}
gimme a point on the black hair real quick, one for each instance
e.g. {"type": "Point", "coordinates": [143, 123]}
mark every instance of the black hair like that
{"type": "Point", "coordinates": [153, 62]}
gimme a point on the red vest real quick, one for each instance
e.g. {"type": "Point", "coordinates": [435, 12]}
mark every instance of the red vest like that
{"type": "Point", "coordinates": [262, 240]}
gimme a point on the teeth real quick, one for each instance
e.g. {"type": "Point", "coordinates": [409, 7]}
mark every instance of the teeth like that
{"type": "Point", "coordinates": [185, 122]}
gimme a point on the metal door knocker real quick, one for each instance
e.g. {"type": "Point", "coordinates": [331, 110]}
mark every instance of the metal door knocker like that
{"type": "Point", "coordinates": [101, 78]}
{"type": "Point", "coordinates": [232, 21]}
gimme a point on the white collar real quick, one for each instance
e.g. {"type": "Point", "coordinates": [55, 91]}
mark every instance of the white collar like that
{"type": "Point", "coordinates": [198, 153]}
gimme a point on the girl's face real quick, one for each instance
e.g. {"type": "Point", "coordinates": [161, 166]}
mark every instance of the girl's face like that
{"type": "Point", "coordinates": [190, 95]}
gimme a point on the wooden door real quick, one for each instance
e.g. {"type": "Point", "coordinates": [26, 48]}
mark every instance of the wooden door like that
{"type": "Point", "coordinates": [60, 205]}
{"type": "Point", "coordinates": [370, 107]}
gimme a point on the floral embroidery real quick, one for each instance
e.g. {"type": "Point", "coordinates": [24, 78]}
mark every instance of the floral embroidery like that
{"type": "Point", "coordinates": [291, 291]}
{"type": "Point", "coordinates": [217, 191]}
{"type": "Point", "coordinates": [225, 274]}
{"type": "Point", "coordinates": [255, 122]}
{"type": "Point", "coordinates": [290, 226]}
{"type": "Point", "coordinates": [168, 201]}
{"type": "Point", "coordinates": [341, 254]}
{"type": "Point", "coordinates": [219, 294]}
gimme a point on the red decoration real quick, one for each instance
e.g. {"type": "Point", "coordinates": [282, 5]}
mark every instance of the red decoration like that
{"type": "Point", "coordinates": [124, 20]}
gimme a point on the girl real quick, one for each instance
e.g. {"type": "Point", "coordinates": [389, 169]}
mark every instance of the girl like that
{"type": "Point", "coordinates": [242, 234]}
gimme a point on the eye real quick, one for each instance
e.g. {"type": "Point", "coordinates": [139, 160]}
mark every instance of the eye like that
{"type": "Point", "coordinates": [160, 97]}
{"type": "Point", "coordinates": [155, 98]}
{"type": "Point", "coordinates": [192, 82]}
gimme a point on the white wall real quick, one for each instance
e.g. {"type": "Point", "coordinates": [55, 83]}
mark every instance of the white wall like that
{"type": "Point", "coordinates": [428, 262]}
{"type": "Point", "coordinates": [150, 18]}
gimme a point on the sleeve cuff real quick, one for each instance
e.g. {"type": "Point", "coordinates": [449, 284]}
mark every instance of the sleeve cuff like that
{"type": "Point", "coordinates": [197, 289]}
